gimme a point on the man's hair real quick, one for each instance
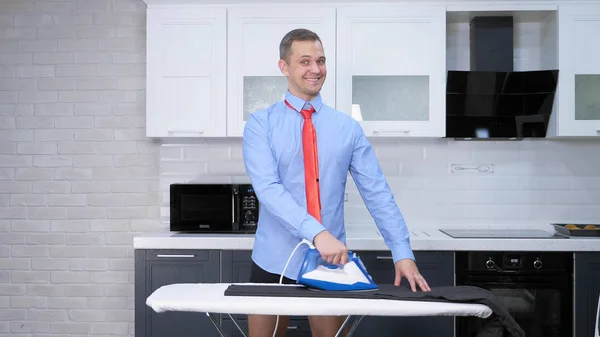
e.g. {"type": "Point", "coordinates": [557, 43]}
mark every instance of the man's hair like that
{"type": "Point", "coordinates": [300, 34]}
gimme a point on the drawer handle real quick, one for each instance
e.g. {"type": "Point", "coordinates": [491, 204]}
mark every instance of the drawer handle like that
{"type": "Point", "coordinates": [405, 131]}
{"type": "Point", "coordinates": [384, 258]}
{"type": "Point", "coordinates": [185, 131]}
{"type": "Point", "coordinates": [292, 327]}
{"type": "Point", "coordinates": [173, 255]}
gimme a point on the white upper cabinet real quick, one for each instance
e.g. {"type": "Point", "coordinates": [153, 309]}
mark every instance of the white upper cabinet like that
{"type": "Point", "coordinates": [186, 70]}
{"type": "Point", "coordinates": [391, 68]}
{"type": "Point", "coordinates": [210, 66]}
{"type": "Point", "coordinates": [254, 80]}
{"type": "Point", "coordinates": [579, 63]}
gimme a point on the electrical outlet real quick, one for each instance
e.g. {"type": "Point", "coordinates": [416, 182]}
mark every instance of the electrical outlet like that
{"type": "Point", "coordinates": [472, 168]}
{"type": "Point", "coordinates": [346, 197]}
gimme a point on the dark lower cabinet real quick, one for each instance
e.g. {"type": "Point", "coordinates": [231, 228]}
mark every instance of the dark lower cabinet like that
{"type": "Point", "coordinates": [587, 290]}
{"type": "Point", "coordinates": [155, 268]}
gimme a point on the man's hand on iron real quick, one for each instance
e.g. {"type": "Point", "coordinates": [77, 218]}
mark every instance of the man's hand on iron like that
{"type": "Point", "coordinates": [407, 268]}
{"type": "Point", "coordinates": [331, 249]}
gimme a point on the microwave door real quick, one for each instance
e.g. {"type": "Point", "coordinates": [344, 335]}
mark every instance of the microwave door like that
{"type": "Point", "coordinates": [206, 208]}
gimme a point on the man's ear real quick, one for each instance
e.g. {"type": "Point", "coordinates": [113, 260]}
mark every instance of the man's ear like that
{"type": "Point", "coordinates": [283, 67]}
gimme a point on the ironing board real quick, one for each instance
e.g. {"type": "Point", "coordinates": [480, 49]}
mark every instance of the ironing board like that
{"type": "Point", "coordinates": [209, 298]}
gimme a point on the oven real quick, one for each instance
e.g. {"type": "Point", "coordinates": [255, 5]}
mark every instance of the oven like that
{"type": "Point", "coordinates": [213, 208]}
{"type": "Point", "coordinates": [535, 287]}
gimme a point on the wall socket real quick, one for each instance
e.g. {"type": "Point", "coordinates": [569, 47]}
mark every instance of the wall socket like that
{"type": "Point", "coordinates": [472, 168]}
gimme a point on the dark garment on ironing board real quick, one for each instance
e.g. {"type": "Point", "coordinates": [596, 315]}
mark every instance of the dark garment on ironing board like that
{"type": "Point", "coordinates": [495, 326]}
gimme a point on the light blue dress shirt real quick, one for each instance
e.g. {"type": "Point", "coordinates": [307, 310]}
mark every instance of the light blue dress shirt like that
{"type": "Point", "coordinates": [272, 150]}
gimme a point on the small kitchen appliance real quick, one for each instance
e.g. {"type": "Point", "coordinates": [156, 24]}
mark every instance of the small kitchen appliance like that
{"type": "Point", "coordinates": [213, 208]}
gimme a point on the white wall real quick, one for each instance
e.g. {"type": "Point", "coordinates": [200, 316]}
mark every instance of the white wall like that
{"type": "Point", "coordinates": [78, 179]}
{"type": "Point", "coordinates": [534, 182]}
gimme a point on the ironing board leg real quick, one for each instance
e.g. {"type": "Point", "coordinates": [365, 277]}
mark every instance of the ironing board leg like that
{"type": "Point", "coordinates": [339, 333]}
{"type": "Point", "coordinates": [216, 324]}
{"type": "Point", "coordinates": [238, 326]}
{"type": "Point", "coordinates": [352, 326]}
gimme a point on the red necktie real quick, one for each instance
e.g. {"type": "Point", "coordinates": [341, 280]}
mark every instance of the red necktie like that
{"type": "Point", "coordinates": [311, 164]}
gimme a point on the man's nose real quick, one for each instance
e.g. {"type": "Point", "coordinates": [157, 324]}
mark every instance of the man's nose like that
{"type": "Point", "coordinates": [314, 67]}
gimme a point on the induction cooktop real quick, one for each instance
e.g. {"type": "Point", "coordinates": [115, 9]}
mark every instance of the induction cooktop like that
{"type": "Point", "coordinates": [500, 234]}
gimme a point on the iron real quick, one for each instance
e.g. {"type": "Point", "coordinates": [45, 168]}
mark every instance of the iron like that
{"type": "Point", "coordinates": [316, 273]}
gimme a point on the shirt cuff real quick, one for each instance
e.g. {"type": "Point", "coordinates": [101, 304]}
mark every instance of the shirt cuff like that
{"type": "Point", "coordinates": [310, 228]}
{"type": "Point", "coordinates": [402, 251]}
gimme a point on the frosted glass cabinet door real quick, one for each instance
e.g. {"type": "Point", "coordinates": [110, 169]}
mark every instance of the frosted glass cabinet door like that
{"type": "Point", "coordinates": [391, 68]}
{"type": "Point", "coordinates": [390, 98]}
{"type": "Point", "coordinates": [587, 97]}
{"type": "Point", "coordinates": [579, 77]}
{"type": "Point", "coordinates": [262, 91]}
{"type": "Point", "coordinates": [254, 80]}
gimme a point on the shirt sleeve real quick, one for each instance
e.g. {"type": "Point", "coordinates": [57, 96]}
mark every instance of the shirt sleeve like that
{"type": "Point", "coordinates": [272, 195]}
{"type": "Point", "coordinates": [377, 195]}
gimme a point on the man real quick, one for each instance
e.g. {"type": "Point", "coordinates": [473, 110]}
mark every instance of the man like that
{"type": "Point", "coordinates": [304, 199]}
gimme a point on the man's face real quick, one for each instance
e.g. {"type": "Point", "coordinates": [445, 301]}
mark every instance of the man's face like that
{"type": "Point", "coordinates": [305, 69]}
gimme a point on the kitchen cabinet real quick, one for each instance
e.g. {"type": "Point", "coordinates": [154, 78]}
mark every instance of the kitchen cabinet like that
{"type": "Point", "coordinates": [209, 65]}
{"type": "Point", "coordinates": [158, 267]}
{"type": "Point", "coordinates": [155, 268]}
{"type": "Point", "coordinates": [186, 70]}
{"type": "Point", "coordinates": [391, 68]}
{"type": "Point", "coordinates": [578, 112]}
{"type": "Point", "coordinates": [254, 80]}
{"type": "Point", "coordinates": [587, 290]}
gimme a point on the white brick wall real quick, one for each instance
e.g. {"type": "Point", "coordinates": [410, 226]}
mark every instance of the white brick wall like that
{"type": "Point", "coordinates": [78, 178]}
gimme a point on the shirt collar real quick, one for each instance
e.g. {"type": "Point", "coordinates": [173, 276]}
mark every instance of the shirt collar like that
{"type": "Point", "coordinates": [298, 103]}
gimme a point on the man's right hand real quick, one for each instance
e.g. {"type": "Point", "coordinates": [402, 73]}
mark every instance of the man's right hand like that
{"type": "Point", "coordinates": [331, 249]}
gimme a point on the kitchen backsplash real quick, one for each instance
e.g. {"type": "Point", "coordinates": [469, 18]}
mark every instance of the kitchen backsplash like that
{"type": "Point", "coordinates": [440, 181]}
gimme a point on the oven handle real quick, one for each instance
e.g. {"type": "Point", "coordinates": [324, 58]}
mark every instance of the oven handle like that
{"type": "Point", "coordinates": [559, 284]}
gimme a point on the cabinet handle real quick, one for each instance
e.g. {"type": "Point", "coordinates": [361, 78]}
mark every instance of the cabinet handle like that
{"type": "Point", "coordinates": [384, 258]}
{"type": "Point", "coordinates": [174, 255]}
{"type": "Point", "coordinates": [292, 327]}
{"type": "Point", "coordinates": [405, 131]}
{"type": "Point", "coordinates": [184, 131]}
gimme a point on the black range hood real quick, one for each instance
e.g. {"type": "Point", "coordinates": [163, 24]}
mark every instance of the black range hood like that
{"type": "Point", "coordinates": [493, 102]}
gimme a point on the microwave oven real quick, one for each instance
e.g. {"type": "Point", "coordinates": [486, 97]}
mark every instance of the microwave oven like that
{"type": "Point", "coordinates": [213, 208]}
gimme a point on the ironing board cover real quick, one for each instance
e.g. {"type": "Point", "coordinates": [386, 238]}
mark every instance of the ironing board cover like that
{"type": "Point", "coordinates": [210, 297]}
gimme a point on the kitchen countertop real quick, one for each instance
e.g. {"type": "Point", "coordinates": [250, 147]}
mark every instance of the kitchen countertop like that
{"type": "Point", "coordinates": [424, 239]}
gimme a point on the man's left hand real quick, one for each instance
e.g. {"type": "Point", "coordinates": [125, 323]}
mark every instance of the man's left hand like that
{"type": "Point", "coordinates": [407, 268]}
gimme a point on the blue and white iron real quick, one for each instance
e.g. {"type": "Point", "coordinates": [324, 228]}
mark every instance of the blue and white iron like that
{"type": "Point", "coordinates": [317, 273]}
